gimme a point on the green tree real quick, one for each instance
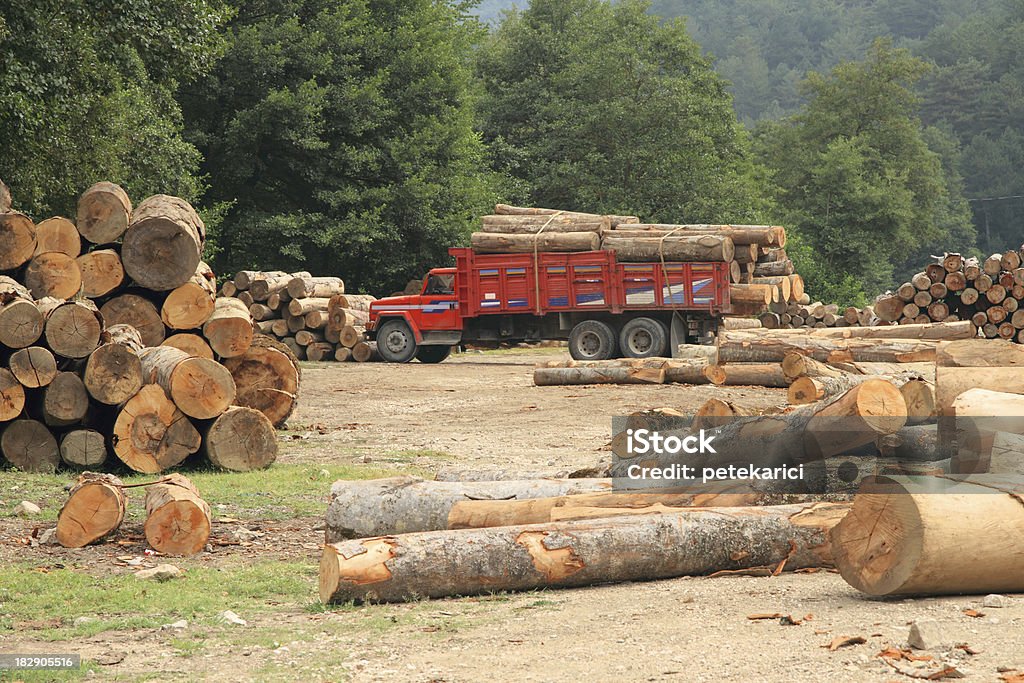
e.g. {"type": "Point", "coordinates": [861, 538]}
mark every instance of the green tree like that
{"type": "Point", "coordinates": [339, 135]}
{"type": "Point", "coordinates": [599, 106]}
{"type": "Point", "coordinates": [858, 183]}
{"type": "Point", "coordinates": [87, 93]}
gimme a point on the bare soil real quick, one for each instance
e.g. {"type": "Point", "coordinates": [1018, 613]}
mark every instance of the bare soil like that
{"type": "Point", "coordinates": [481, 411]}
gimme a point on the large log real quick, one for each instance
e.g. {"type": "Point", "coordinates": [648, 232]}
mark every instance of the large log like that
{"type": "Point", "coordinates": [12, 396]}
{"type": "Point", "coordinates": [783, 284]}
{"type": "Point", "coordinates": [929, 332]}
{"type": "Point", "coordinates": [229, 328]}
{"type": "Point", "coordinates": [752, 294]}
{"type": "Point", "coordinates": [164, 243]}
{"type": "Point", "coordinates": [58, 234]}
{"type": "Point", "coordinates": [33, 366]}
{"type": "Point", "coordinates": [513, 225]}
{"type": "Point", "coordinates": [761, 375]}
{"type": "Point", "coordinates": [303, 286]}
{"type": "Point", "coordinates": [262, 289]}
{"type": "Point", "coordinates": [563, 554]}
{"type": "Point", "coordinates": [177, 518]}
{"type": "Point", "coordinates": [734, 347]}
{"type": "Point", "coordinates": [240, 440]}
{"type": "Point", "coordinates": [932, 536]}
{"type": "Point", "coordinates": [102, 272]}
{"type": "Point", "coordinates": [17, 240]}
{"type": "Point", "coordinates": [507, 210]}
{"type": "Point", "coordinates": [73, 328]}
{"type": "Point", "coordinates": [192, 344]}
{"type": "Point", "coordinates": [494, 243]}
{"type": "Point", "coordinates": [140, 313]}
{"type": "Point", "coordinates": [761, 235]}
{"type": "Point", "coordinates": [716, 412]}
{"type": "Point", "coordinates": [94, 509]}
{"type": "Point", "coordinates": [796, 365]}
{"type": "Point", "coordinates": [190, 305]}
{"type": "Point", "coordinates": [30, 446]}
{"type": "Point", "coordinates": [103, 213]}
{"type": "Point", "coordinates": [21, 323]}
{"type": "Point", "coordinates": [304, 306]}
{"type": "Point", "coordinates": [83, 448]}
{"type": "Point", "coordinates": [673, 248]}
{"type": "Point", "coordinates": [113, 372]}
{"type": "Point", "coordinates": [244, 278]}
{"type": "Point", "coordinates": [406, 504]}
{"type": "Point", "coordinates": [545, 377]}
{"type": "Point", "coordinates": [356, 302]}
{"type": "Point", "coordinates": [151, 434]}
{"type": "Point", "coordinates": [774, 269]}
{"type": "Point", "coordinates": [199, 387]}
{"type": "Point", "coordinates": [266, 378]}
{"type": "Point", "coordinates": [65, 400]}
{"type": "Point", "coordinates": [53, 273]}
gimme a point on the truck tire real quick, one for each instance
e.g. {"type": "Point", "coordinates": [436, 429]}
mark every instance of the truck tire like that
{"type": "Point", "coordinates": [433, 354]}
{"type": "Point", "coordinates": [395, 342]}
{"type": "Point", "coordinates": [592, 340]}
{"type": "Point", "coordinates": [643, 338]}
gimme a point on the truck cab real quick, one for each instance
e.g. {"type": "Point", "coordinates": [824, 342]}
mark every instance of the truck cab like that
{"type": "Point", "coordinates": [424, 326]}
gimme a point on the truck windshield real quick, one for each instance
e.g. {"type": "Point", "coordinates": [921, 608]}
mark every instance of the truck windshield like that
{"type": "Point", "coordinates": [440, 284]}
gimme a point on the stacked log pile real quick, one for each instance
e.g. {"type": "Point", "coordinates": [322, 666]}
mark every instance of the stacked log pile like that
{"type": "Point", "coordinates": [312, 316]}
{"type": "Point", "coordinates": [114, 352]}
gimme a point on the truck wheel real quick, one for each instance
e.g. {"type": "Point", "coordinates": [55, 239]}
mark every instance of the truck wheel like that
{"type": "Point", "coordinates": [592, 340]}
{"type": "Point", "coordinates": [643, 338]}
{"type": "Point", "coordinates": [395, 342]}
{"type": "Point", "coordinates": [433, 354]}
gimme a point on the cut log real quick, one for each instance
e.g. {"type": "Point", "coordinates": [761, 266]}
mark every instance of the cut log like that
{"type": "Point", "coordinates": [190, 305]}
{"type": "Point", "coordinates": [65, 400]}
{"type": "Point", "coordinates": [343, 354]}
{"type": "Point", "coordinates": [494, 243]}
{"type": "Point", "coordinates": [102, 272]}
{"type": "Point", "coordinates": [356, 302]}
{"type": "Point", "coordinates": [151, 434]}
{"type": "Point", "coordinates": [192, 344]}
{"type": "Point", "coordinates": [17, 240]}
{"type": "Point", "coordinates": [73, 328]}
{"type": "Point", "coordinates": [262, 289]}
{"type": "Point", "coordinates": [323, 287]}
{"type": "Point", "coordinates": [406, 504]}
{"type": "Point", "coordinates": [795, 365]}
{"type": "Point", "coordinates": [318, 351]}
{"type": "Point", "coordinates": [33, 366]}
{"type": "Point", "coordinates": [507, 210]}
{"type": "Point", "coordinates": [244, 278]}
{"type": "Point", "coordinates": [113, 372]}
{"type": "Point", "coordinates": [229, 328]}
{"type": "Point", "coordinates": [932, 536]}
{"type": "Point", "coordinates": [744, 349]}
{"type": "Point", "coordinates": [30, 446]}
{"type": "Point", "coordinates": [228, 289]}
{"type": "Point", "coordinates": [888, 308]}
{"type": "Point", "coordinates": [304, 306]}
{"type": "Point", "coordinates": [797, 286]}
{"type": "Point", "coordinates": [58, 234]}
{"type": "Point", "coordinates": [549, 224]}
{"type": "Point", "coordinates": [103, 213]}
{"type": "Point", "coordinates": [545, 377]}
{"type": "Point", "coordinates": [752, 294]}
{"type": "Point", "coordinates": [200, 388]}
{"type": "Point", "coordinates": [716, 413]}
{"type": "Point", "coordinates": [21, 322]}
{"type": "Point", "coordinates": [762, 235]}
{"type": "Point", "coordinates": [919, 395]}
{"type": "Point", "coordinates": [674, 248]}
{"type": "Point", "coordinates": [140, 313]}
{"type": "Point", "coordinates": [12, 396]}
{"type": "Point", "coordinates": [83, 448]}
{"type": "Point", "coordinates": [776, 268]}
{"type": "Point", "coordinates": [94, 510]}
{"type": "Point", "coordinates": [728, 323]}
{"type": "Point", "coordinates": [240, 440]}
{"type": "Point", "coordinates": [364, 352]}
{"type": "Point", "coordinates": [164, 243]}
{"type": "Point", "coordinates": [350, 336]}
{"type": "Point", "coordinates": [260, 312]}
{"type": "Point", "coordinates": [246, 298]}
{"type": "Point", "coordinates": [267, 379]}
{"type": "Point", "coordinates": [177, 518]}
{"type": "Point", "coordinates": [767, 375]}
{"type": "Point", "coordinates": [783, 284]}
{"type": "Point", "coordinates": [955, 282]}
{"type": "Point", "coordinates": [577, 553]}
{"type": "Point", "coordinates": [317, 320]}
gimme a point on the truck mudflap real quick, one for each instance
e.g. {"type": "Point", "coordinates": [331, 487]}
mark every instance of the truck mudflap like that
{"type": "Point", "coordinates": [677, 334]}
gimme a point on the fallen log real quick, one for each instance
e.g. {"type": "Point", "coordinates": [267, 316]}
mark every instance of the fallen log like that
{"type": "Point", "coordinates": [94, 510]}
{"type": "Point", "coordinates": [932, 536]}
{"type": "Point", "coordinates": [177, 518]}
{"type": "Point", "coordinates": [566, 554]}
{"type": "Point", "coordinates": [406, 504]}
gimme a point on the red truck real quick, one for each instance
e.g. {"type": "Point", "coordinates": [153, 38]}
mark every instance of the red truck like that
{"type": "Point", "coordinates": [602, 307]}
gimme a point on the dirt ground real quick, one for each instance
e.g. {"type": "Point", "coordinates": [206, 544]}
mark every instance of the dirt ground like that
{"type": "Point", "coordinates": [481, 411]}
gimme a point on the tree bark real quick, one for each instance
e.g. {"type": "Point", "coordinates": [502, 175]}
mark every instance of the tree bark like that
{"type": "Point", "coordinates": [83, 448]}
{"type": "Point", "coordinates": [164, 243]}
{"type": "Point", "coordinates": [151, 434]}
{"type": "Point", "coordinates": [199, 387]}
{"type": "Point", "coordinates": [73, 328]}
{"type": "Point", "coordinates": [102, 272]}
{"type": "Point", "coordinates": [267, 379]}
{"type": "Point", "coordinates": [190, 305]}
{"type": "Point", "coordinates": [931, 536]}
{"type": "Point", "coordinates": [58, 234]}
{"type": "Point", "coordinates": [229, 328]}
{"type": "Point", "coordinates": [140, 313]}
{"type": "Point", "coordinates": [240, 440]}
{"type": "Point", "coordinates": [177, 518]}
{"type": "Point", "coordinates": [565, 554]}
{"type": "Point", "coordinates": [30, 446]}
{"type": "Point", "coordinates": [494, 243]}
{"type": "Point", "coordinates": [192, 344]}
{"type": "Point", "coordinates": [674, 248]}
{"type": "Point", "coordinates": [94, 510]}
{"type": "Point", "coordinates": [103, 213]}
{"type": "Point", "coordinates": [33, 366]}
{"type": "Point", "coordinates": [321, 287]}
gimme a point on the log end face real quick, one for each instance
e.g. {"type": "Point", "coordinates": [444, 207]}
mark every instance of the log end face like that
{"type": "Point", "coordinates": [180, 527]}
{"type": "Point", "coordinates": [93, 512]}
{"type": "Point", "coordinates": [344, 567]}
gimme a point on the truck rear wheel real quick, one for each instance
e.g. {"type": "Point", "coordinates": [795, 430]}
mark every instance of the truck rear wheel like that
{"type": "Point", "coordinates": [433, 354]}
{"type": "Point", "coordinates": [592, 340]}
{"type": "Point", "coordinates": [643, 338]}
{"type": "Point", "coordinates": [395, 342]}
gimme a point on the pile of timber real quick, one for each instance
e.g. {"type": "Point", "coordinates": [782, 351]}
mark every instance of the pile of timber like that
{"type": "Point", "coordinates": [759, 268]}
{"type": "Point", "coordinates": [312, 316]}
{"type": "Point", "coordinates": [114, 351]}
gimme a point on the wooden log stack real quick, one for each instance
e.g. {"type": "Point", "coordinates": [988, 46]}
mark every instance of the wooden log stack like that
{"type": "Point", "coordinates": [113, 348]}
{"type": "Point", "coordinates": [312, 316]}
